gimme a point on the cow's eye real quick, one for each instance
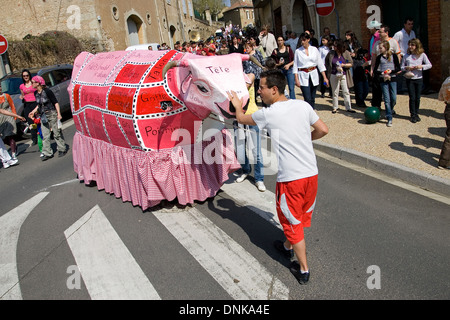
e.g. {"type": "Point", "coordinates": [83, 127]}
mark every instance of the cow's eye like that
{"type": "Point", "coordinates": [203, 88]}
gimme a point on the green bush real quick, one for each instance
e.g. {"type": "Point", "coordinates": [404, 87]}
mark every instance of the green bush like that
{"type": "Point", "coordinates": [52, 47]}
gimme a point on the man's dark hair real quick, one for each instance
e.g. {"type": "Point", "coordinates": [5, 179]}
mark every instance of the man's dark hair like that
{"type": "Point", "coordinates": [275, 78]}
{"type": "Point", "coordinates": [386, 28]}
{"type": "Point", "coordinates": [408, 19]}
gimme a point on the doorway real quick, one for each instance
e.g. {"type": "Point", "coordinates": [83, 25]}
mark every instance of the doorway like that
{"type": "Point", "coordinates": [278, 23]}
{"type": "Point", "coordinates": [135, 32]}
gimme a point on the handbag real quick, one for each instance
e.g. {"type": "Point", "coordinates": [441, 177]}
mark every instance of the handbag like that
{"type": "Point", "coordinates": [409, 75]}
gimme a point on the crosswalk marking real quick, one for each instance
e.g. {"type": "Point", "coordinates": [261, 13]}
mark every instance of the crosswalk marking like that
{"type": "Point", "coordinates": [10, 224]}
{"type": "Point", "coordinates": [235, 269]}
{"type": "Point", "coordinates": [108, 269]}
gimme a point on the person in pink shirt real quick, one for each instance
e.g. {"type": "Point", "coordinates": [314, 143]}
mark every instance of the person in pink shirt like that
{"type": "Point", "coordinates": [29, 101]}
{"type": "Point", "coordinates": [374, 27]}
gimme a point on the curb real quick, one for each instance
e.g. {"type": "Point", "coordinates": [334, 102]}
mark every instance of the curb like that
{"type": "Point", "coordinates": [423, 180]}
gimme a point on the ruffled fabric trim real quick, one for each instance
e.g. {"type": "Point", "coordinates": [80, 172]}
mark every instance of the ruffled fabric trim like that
{"type": "Point", "coordinates": [145, 178]}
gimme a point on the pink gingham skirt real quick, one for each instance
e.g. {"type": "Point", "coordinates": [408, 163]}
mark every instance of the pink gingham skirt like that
{"type": "Point", "coordinates": [145, 178]}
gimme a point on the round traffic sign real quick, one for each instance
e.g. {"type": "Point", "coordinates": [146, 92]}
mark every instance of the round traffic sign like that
{"type": "Point", "coordinates": [3, 44]}
{"type": "Point", "coordinates": [324, 7]}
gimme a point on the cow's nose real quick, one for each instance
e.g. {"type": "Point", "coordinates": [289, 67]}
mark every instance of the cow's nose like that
{"type": "Point", "coordinates": [233, 109]}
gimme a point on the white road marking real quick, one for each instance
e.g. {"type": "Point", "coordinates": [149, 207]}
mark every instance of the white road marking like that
{"type": "Point", "coordinates": [10, 224]}
{"type": "Point", "coordinates": [108, 269]}
{"type": "Point", "coordinates": [235, 269]}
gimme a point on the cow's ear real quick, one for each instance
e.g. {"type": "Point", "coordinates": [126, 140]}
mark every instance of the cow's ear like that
{"type": "Point", "coordinates": [186, 83]}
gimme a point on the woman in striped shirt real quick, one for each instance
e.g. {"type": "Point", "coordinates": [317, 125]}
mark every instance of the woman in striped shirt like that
{"type": "Point", "coordinates": [414, 62]}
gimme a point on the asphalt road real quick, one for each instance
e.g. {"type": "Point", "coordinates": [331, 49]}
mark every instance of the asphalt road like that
{"type": "Point", "coordinates": [369, 240]}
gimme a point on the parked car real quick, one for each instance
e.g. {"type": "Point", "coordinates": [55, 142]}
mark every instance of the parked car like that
{"type": "Point", "coordinates": [57, 78]}
{"type": "Point", "coordinates": [155, 47]}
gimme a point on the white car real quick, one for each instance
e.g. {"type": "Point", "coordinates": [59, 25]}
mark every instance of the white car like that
{"type": "Point", "coordinates": [144, 46]}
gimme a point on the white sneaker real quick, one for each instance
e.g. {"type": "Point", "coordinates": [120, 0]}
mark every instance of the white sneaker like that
{"type": "Point", "coordinates": [389, 124]}
{"type": "Point", "coordinates": [242, 178]}
{"type": "Point", "coordinates": [260, 185]}
{"type": "Point", "coordinates": [10, 163]}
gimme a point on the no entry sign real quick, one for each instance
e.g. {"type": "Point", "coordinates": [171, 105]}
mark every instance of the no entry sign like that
{"type": "Point", "coordinates": [324, 7]}
{"type": "Point", "coordinates": [3, 44]}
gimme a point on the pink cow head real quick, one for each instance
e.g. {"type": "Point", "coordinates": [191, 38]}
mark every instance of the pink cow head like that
{"type": "Point", "coordinates": [205, 81]}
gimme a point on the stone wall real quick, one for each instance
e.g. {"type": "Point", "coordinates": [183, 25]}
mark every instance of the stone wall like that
{"type": "Point", "coordinates": [103, 22]}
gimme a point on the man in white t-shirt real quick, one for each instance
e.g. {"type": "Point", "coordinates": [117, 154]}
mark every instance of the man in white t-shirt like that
{"type": "Point", "coordinates": [289, 123]}
{"type": "Point", "coordinates": [403, 36]}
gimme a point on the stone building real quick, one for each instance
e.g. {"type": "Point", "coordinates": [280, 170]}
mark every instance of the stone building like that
{"type": "Point", "coordinates": [430, 24]}
{"type": "Point", "coordinates": [240, 13]}
{"type": "Point", "coordinates": [112, 24]}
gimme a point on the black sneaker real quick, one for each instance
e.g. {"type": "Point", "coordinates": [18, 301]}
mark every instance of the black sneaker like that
{"type": "Point", "coordinates": [61, 153]}
{"type": "Point", "coordinates": [302, 278]}
{"type": "Point", "coordinates": [279, 245]}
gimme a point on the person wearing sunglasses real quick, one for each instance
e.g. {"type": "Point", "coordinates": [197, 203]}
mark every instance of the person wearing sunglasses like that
{"type": "Point", "coordinates": [29, 101]}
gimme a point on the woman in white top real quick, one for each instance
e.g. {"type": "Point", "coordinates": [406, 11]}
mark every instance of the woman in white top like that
{"type": "Point", "coordinates": [414, 62]}
{"type": "Point", "coordinates": [306, 62]}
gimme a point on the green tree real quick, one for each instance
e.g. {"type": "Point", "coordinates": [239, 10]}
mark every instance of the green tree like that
{"type": "Point", "coordinates": [214, 6]}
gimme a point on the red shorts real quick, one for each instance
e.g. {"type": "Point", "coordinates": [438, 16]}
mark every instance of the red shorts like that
{"type": "Point", "coordinates": [295, 204]}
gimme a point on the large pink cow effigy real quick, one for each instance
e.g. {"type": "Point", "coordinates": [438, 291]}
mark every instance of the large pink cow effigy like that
{"type": "Point", "coordinates": [142, 123]}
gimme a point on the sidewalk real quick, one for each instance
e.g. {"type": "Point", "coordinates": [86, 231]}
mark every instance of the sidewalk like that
{"type": "Point", "coordinates": [406, 151]}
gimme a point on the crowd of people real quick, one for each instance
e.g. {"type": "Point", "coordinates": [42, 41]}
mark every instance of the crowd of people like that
{"type": "Point", "coordinates": [389, 64]}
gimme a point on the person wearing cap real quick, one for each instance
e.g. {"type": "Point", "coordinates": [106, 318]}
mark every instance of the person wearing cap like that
{"type": "Point", "coordinates": [374, 27]}
{"type": "Point", "coordinates": [49, 113]}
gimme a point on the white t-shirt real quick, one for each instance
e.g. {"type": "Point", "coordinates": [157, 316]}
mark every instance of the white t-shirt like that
{"type": "Point", "coordinates": [403, 38]}
{"type": "Point", "coordinates": [289, 125]}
